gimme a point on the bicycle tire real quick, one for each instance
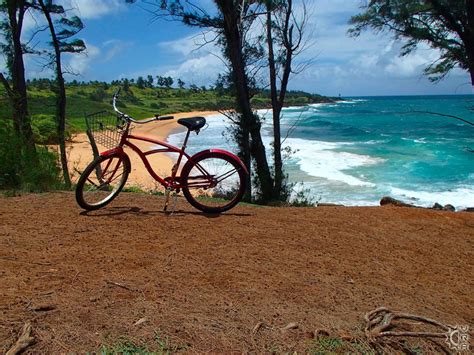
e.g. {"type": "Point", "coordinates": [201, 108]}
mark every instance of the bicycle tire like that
{"type": "Point", "coordinates": [216, 201]}
{"type": "Point", "coordinates": [85, 195]}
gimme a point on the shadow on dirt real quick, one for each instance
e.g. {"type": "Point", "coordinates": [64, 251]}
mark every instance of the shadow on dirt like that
{"type": "Point", "coordinates": [122, 210]}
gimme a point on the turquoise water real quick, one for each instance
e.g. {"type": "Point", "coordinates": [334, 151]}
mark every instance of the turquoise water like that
{"type": "Point", "coordinates": [356, 151]}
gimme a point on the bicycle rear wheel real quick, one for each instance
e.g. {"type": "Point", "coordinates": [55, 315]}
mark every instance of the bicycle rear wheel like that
{"type": "Point", "coordinates": [102, 181]}
{"type": "Point", "coordinates": [213, 183]}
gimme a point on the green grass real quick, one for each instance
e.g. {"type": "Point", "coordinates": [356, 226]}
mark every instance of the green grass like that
{"type": "Point", "coordinates": [333, 345]}
{"type": "Point", "coordinates": [140, 190]}
{"type": "Point", "coordinates": [160, 345]}
{"type": "Point", "coordinates": [326, 345]}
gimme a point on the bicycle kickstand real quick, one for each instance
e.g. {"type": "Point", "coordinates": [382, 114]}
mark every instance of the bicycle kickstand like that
{"type": "Point", "coordinates": [167, 200]}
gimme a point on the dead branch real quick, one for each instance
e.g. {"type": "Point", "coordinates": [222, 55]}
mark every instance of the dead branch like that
{"type": "Point", "coordinates": [140, 321]}
{"type": "Point", "coordinates": [257, 327]}
{"type": "Point", "coordinates": [24, 341]}
{"type": "Point", "coordinates": [120, 285]}
{"type": "Point", "coordinates": [290, 326]}
{"type": "Point", "coordinates": [43, 307]}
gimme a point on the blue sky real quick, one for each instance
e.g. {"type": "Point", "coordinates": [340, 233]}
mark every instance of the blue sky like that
{"type": "Point", "coordinates": [124, 41]}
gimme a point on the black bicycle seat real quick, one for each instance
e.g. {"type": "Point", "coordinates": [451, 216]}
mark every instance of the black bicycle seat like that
{"type": "Point", "coordinates": [193, 123]}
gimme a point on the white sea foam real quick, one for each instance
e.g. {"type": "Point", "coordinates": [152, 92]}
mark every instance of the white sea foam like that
{"type": "Point", "coordinates": [419, 141]}
{"type": "Point", "coordinates": [375, 141]}
{"type": "Point", "coordinates": [331, 169]}
{"type": "Point", "coordinates": [320, 159]}
{"type": "Point", "coordinates": [318, 105]}
{"type": "Point", "coordinates": [460, 198]}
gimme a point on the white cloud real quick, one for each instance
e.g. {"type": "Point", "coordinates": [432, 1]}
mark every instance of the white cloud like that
{"type": "Point", "coordinates": [79, 63]}
{"type": "Point", "coordinates": [200, 71]}
{"type": "Point", "coordinates": [201, 63]}
{"type": "Point", "coordinates": [114, 47]}
{"type": "Point", "coordinates": [93, 9]}
{"type": "Point", "coordinates": [368, 64]}
{"type": "Point", "coordinates": [194, 45]}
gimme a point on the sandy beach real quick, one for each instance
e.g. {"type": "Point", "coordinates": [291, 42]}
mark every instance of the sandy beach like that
{"type": "Point", "coordinates": [80, 152]}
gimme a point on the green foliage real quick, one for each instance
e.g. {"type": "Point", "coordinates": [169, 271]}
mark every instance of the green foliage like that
{"type": "Point", "coordinates": [140, 82]}
{"type": "Point", "coordinates": [331, 345]}
{"type": "Point", "coordinates": [158, 105]}
{"type": "Point", "coordinates": [44, 129]}
{"type": "Point", "coordinates": [302, 197]}
{"type": "Point", "coordinates": [98, 94]}
{"type": "Point", "coordinates": [325, 345]}
{"type": "Point", "coordinates": [125, 347]}
{"type": "Point", "coordinates": [159, 345]}
{"type": "Point", "coordinates": [445, 25]}
{"type": "Point", "coordinates": [24, 170]}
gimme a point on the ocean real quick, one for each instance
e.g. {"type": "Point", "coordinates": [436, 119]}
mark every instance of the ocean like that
{"type": "Point", "coordinates": [358, 150]}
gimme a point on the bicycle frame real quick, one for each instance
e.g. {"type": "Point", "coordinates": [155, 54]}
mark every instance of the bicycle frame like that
{"type": "Point", "coordinates": [172, 182]}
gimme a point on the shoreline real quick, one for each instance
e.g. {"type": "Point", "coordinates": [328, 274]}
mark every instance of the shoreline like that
{"type": "Point", "coordinates": [163, 130]}
{"type": "Point", "coordinates": [80, 152]}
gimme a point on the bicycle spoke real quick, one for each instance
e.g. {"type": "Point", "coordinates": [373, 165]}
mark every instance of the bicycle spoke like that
{"type": "Point", "coordinates": [92, 182]}
{"type": "Point", "coordinates": [214, 183]}
{"type": "Point", "coordinates": [226, 175]}
{"type": "Point", "coordinates": [104, 180]}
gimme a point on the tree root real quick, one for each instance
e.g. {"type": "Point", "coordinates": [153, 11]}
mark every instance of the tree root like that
{"type": "Point", "coordinates": [379, 323]}
{"type": "Point", "coordinates": [24, 341]}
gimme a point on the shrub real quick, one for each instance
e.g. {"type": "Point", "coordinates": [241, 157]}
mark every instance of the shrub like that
{"type": "Point", "coordinates": [44, 129]}
{"type": "Point", "coordinates": [158, 105]}
{"type": "Point", "coordinates": [21, 169]}
{"type": "Point", "coordinates": [302, 197]}
{"type": "Point", "coordinates": [98, 94]}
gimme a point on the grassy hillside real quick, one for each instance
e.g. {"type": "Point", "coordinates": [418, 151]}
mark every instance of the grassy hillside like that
{"type": "Point", "coordinates": [137, 102]}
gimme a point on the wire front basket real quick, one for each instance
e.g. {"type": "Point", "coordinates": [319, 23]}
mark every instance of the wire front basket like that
{"type": "Point", "coordinates": [107, 128]}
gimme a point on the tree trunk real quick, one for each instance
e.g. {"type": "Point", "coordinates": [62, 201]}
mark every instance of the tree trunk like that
{"type": "Point", "coordinates": [276, 112]}
{"type": "Point", "coordinates": [60, 98]}
{"type": "Point", "coordinates": [470, 41]}
{"type": "Point", "coordinates": [249, 120]}
{"type": "Point", "coordinates": [19, 101]}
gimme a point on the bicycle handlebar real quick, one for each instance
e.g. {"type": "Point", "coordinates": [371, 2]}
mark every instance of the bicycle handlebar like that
{"type": "Point", "coordinates": [130, 119]}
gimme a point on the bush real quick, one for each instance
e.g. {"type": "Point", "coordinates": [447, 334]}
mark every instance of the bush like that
{"type": "Point", "coordinates": [158, 105]}
{"type": "Point", "coordinates": [121, 104]}
{"type": "Point", "coordinates": [44, 129]}
{"type": "Point", "coordinates": [21, 169]}
{"type": "Point", "coordinates": [98, 94]}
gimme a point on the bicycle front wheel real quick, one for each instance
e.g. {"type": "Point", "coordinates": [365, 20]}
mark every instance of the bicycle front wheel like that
{"type": "Point", "coordinates": [102, 181]}
{"type": "Point", "coordinates": [213, 183]}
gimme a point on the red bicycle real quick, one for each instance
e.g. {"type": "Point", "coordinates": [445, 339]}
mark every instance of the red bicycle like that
{"type": "Point", "coordinates": [213, 180]}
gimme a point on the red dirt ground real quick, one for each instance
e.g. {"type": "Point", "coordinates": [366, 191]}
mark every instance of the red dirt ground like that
{"type": "Point", "coordinates": [203, 282]}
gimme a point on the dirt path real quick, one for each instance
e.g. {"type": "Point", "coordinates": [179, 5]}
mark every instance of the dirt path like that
{"type": "Point", "coordinates": [204, 282]}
